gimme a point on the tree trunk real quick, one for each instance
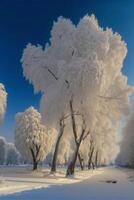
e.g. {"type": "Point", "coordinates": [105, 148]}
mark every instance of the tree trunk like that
{"type": "Point", "coordinates": [35, 165]}
{"type": "Point", "coordinates": [93, 165]}
{"type": "Point", "coordinates": [96, 159]}
{"type": "Point", "coordinates": [53, 166]}
{"type": "Point", "coordinates": [81, 162]}
{"type": "Point", "coordinates": [71, 167]}
{"type": "Point", "coordinates": [90, 158]}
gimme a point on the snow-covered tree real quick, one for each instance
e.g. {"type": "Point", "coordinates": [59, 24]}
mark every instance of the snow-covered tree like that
{"type": "Point", "coordinates": [32, 139]}
{"type": "Point", "coordinates": [79, 75]}
{"type": "Point", "coordinates": [3, 98]}
{"type": "Point", "coordinates": [2, 150]}
{"type": "Point", "coordinates": [12, 155]}
{"type": "Point", "coordinates": [126, 154]}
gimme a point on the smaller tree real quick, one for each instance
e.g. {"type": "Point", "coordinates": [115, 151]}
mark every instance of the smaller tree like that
{"type": "Point", "coordinates": [3, 98]}
{"type": "Point", "coordinates": [33, 140]}
{"type": "Point", "coordinates": [12, 155]}
{"type": "Point", "coordinates": [2, 150]}
{"type": "Point", "coordinates": [126, 154]}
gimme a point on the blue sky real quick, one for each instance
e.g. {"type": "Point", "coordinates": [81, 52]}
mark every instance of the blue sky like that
{"type": "Point", "coordinates": [23, 21]}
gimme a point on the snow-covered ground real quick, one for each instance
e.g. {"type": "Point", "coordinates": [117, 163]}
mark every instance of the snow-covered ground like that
{"type": "Point", "coordinates": [95, 185]}
{"type": "Point", "coordinates": [18, 179]}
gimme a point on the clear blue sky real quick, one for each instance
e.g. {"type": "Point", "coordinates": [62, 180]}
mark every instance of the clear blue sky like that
{"type": "Point", "coordinates": [23, 21]}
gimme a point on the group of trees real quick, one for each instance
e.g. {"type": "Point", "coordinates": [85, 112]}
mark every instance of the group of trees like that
{"type": "Point", "coordinates": [84, 97]}
{"type": "Point", "coordinates": [84, 93]}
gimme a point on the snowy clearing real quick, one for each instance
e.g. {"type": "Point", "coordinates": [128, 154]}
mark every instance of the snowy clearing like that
{"type": "Point", "coordinates": [14, 180]}
{"type": "Point", "coordinates": [96, 186]}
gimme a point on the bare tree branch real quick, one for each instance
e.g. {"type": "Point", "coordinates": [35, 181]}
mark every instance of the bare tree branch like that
{"type": "Point", "coordinates": [86, 135]}
{"type": "Point", "coordinates": [52, 74]}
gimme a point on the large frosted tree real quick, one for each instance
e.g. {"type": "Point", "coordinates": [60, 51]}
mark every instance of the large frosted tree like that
{"type": "Point", "coordinates": [32, 139]}
{"type": "Point", "coordinates": [79, 75]}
